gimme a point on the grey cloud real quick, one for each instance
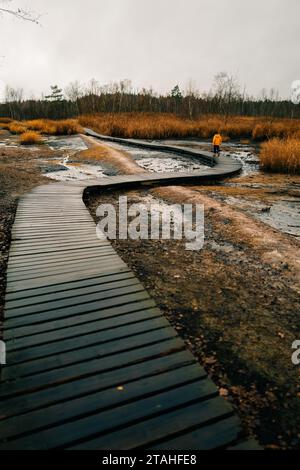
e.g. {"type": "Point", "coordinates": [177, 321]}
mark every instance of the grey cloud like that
{"type": "Point", "coordinates": [158, 43]}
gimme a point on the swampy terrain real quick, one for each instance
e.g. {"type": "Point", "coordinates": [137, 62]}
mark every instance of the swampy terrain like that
{"type": "Point", "coordinates": [236, 301]}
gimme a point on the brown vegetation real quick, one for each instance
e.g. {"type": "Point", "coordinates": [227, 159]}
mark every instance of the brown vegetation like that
{"type": "Point", "coordinates": [44, 126]}
{"type": "Point", "coordinates": [281, 155]}
{"type": "Point", "coordinates": [163, 126]}
{"type": "Point", "coordinates": [15, 128]}
{"type": "Point", "coordinates": [30, 138]}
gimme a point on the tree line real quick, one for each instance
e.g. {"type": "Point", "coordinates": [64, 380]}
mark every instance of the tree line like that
{"type": "Point", "coordinates": [225, 98]}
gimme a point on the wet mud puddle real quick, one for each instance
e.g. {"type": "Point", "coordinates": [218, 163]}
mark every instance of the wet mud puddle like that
{"type": "Point", "coordinates": [158, 162]}
{"type": "Point", "coordinates": [65, 169]}
{"type": "Point", "coordinates": [282, 214]}
{"type": "Point", "coordinates": [243, 153]}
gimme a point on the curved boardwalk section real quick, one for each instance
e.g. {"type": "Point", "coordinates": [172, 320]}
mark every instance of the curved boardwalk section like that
{"type": "Point", "coordinates": [91, 361]}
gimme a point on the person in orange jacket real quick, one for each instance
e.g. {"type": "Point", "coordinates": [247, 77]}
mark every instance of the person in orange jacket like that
{"type": "Point", "coordinates": [217, 140]}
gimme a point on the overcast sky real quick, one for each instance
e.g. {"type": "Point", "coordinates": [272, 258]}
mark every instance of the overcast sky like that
{"type": "Point", "coordinates": [156, 43]}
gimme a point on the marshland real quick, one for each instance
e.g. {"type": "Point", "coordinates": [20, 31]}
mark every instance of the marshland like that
{"type": "Point", "coordinates": [235, 302]}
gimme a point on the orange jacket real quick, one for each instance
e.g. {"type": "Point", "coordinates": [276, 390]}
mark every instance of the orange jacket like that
{"type": "Point", "coordinates": [217, 140]}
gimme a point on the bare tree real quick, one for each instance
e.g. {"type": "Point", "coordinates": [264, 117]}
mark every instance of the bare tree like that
{"type": "Point", "coordinates": [20, 13]}
{"type": "Point", "coordinates": [191, 93]}
{"type": "Point", "coordinates": [74, 91]}
{"type": "Point", "coordinates": [13, 98]}
{"type": "Point", "coordinates": [226, 90]}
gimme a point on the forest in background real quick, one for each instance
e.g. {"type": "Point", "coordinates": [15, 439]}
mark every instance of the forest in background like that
{"type": "Point", "coordinates": [226, 98]}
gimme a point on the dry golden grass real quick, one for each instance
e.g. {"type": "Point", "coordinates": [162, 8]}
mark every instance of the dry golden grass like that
{"type": "Point", "coordinates": [164, 126]}
{"type": "Point", "coordinates": [30, 138]}
{"type": "Point", "coordinates": [281, 155]}
{"type": "Point", "coordinates": [45, 126]}
{"type": "Point", "coordinates": [16, 128]}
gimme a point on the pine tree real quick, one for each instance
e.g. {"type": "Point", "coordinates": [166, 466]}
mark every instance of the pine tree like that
{"type": "Point", "coordinates": [176, 93]}
{"type": "Point", "coordinates": [56, 94]}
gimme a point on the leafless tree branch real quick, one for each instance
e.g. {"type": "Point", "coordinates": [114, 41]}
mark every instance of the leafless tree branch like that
{"type": "Point", "coordinates": [21, 14]}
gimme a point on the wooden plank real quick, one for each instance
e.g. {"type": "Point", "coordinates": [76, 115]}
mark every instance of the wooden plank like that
{"type": "Point", "coordinates": [18, 261]}
{"type": "Point", "coordinates": [19, 267]}
{"type": "Point", "coordinates": [60, 279]}
{"type": "Point", "coordinates": [65, 267]}
{"type": "Point", "coordinates": [70, 283]}
{"type": "Point", "coordinates": [164, 424]}
{"type": "Point", "coordinates": [90, 365]}
{"type": "Point", "coordinates": [98, 401]}
{"type": "Point", "coordinates": [75, 302]}
{"type": "Point", "coordinates": [38, 345]}
{"type": "Point", "coordinates": [64, 435]}
{"type": "Point", "coordinates": [149, 363]}
{"type": "Point", "coordinates": [50, 301]}
{"type": "Point", "coordinates": [48, 357]}
{"type": "Point", "coordinates": [102, 283]}
{"type": "Point", "coordinates": [213, 436]}
{"type": "Point", "coordinates": [90, 267]}
{"type": "Point", "coordinates": [112, 311]}
{"type": "Point", "coordinates": [66, 312]}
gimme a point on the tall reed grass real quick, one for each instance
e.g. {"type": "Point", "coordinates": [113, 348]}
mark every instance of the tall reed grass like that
{"type": "Point", "coordinates": [281, 155]}
{"type": "Point", "coordinates": [164, 126]}
{"type": "Point", "coordinates": [45, 126]}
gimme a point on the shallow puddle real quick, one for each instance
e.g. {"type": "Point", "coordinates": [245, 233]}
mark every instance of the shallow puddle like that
{"type": "Point", "coordinates": [73, 143]}
{"type": "Point", "coordinates": [65, 169]}
{"type": "Point", "coordinates": [76, 171]}
{"type": "Point", "coordinates": [9, 142]}
{"type": "Point", "coordinates": [243, 153]}
{"type": "Point", "coordinates": [157, 162]}
{"type": "Point", "coordinates": [169, 164]}
{"type": "Point", "coordinates": [282, 214]}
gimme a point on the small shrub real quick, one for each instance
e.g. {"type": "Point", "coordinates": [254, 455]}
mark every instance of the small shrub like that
{"type": "Point", "coordinates": [30, 138]}
{"type": "Point", "coordinates": [66, 127]}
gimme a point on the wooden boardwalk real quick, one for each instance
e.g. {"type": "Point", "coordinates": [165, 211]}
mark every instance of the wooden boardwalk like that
{"type": "Point", "coordinates": [91, 361]}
